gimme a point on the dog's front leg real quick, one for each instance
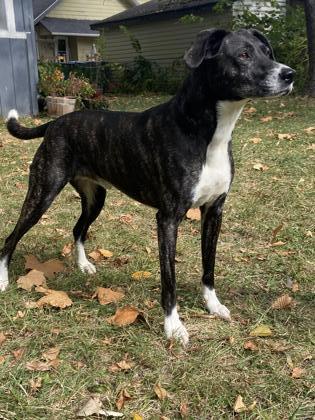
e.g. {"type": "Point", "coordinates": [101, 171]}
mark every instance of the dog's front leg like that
{"type": "Point", "coordinates": [211, 219]}
{"type": "Point", "coordinates": [167, 236]}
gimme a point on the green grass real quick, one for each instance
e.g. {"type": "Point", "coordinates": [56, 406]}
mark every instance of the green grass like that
{"type": "Point", "coordinates": [215, 368]}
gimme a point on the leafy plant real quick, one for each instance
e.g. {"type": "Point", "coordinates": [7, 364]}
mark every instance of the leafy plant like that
{"type": "Point", "coordinates": [78, 87]}
{"type": "Point", "coordinates": [51, 80]}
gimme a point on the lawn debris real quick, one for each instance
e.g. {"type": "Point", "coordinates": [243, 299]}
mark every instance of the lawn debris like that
{"type": "Point", "coordinates": [261, 331]}
{"type": "Point", "coordinates": [54, 298]}
{"type": "Point", "coordinates": [100, 254]}
{"type": "Point", "coordinates": [32, 278]}
{"type": "Point", "coordinates": [283, 302]}
{"type": "Point", "coordinates": [107, 295]}
{"type": "Point", "coordinates": [250, 345]}
{"type": "Point", "coordinates": [124, 316]}
{"type": "Point", "coordinates": [94, 407]}
{"type": "Point", "coordinates": [48, 268]}
{"type": "Point", "coordinates": [160, 392]}
{"type": "Point", "coordinates": [240, 407]}
{"type": "Point", "coordinates": [141, 275]}
{"type": "Point", "coordinates": [123, 397]}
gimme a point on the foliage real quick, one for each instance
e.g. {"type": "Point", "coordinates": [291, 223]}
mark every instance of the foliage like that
{"type": "Point", "coordinates": [52, 81]}
{"type": "Point", "coordinates": [191, 18]}
{"type": "Point", "coordinates": [98, 102]}
{"type": "Point", "coordinates": [286, 33]}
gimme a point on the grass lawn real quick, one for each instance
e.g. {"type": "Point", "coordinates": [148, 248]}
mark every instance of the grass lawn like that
{"type": "Point", "coordinates": [265, 251]}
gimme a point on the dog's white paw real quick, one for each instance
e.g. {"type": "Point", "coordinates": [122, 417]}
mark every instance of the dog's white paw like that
{"type": "Point", "coordinates": [213, 304]}
{"type": "Point", "coordinates": [87, 267]}
{"type": "Point", "coordinates": [173, 327]}
{"type": "Point", "coordinates": [4, 275]}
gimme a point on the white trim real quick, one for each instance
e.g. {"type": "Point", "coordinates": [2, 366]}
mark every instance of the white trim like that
{"type": "Point", "coordinates": [73, 34]}
{"type": "Point", "coordinates": [11, 32]}
{"type": "Point", "coordinates": [37, 18]}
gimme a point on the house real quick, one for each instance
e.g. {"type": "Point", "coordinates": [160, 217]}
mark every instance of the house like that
{"type": "Point", "coordinates": [17, 58]}
{"type": "Point", "coordinates": [166, 28]}
{"type": "Point", "coordinates": [63, 26]}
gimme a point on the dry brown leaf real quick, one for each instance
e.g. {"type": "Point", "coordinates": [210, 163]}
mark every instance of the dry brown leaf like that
{"type": "Point", "coordinates": [266, 119]}
{"type": "Point", "coordinates": [32, 278]}
{"type": "Point", "coordinates": [35, 384]}
{"type": "Point", "coordinates": [107, 295]}
{"type": "Point", "coordinates": [278, 243]}
{"type": "Point", "coordinates": [193, 214]}
{"type": "Point", "coordinates": [261, 331]}
{"type": "Point", "coordinates": [2, 359]}
{"type": "Point", "coordinates": [51, 354]}
{"type": "Point", "coordinates": [18, 354]}
{"type": "Point", "coordinates": [282, 302]}
{"type": "Point", "coordinates": [260, 167]}
{"type": "Point", "coordinates": [150, 303]}
{"type": "Point", "coordinates": [126, 218]}
{"type": "Point", "coordinates": [289, 362]}
{"type": "Point", "coordinates": [250, 345]}
{"type": "Point", "coordinates": [49, 268]}
{"type": "Point", "coordinates": [94, 406]}
{"type": "Point", "coordinates": [124, 316]}
{"type": "Point", "coordinates": [275, 232]}
{"type": "Point", "coordinates": [100, 254]}
{"type": "Point", "coordinates": [278, 347]}
{"type": "Point", "coordinates": [141, 275]}
{"type": "Point", "coordinates": [122, 365]}
{"type": "Point", "coordinates": [67, 249]}
{"type": "Point", "coordinates": [255, 140]}
{"type": "Point", "coordinates": [19, 315]}
{"type": "Point", "coordinates": [40, 366]}
{"type": "Point", "coordinates": [310, 130]}
{"type": "Point", "coordinates": [250, 110]}
{"type": "Point", "coordinates": [285, 136]}
{"type": "Point", "coordinates": [183, 409]}
{"type": "Point", "coordinates": [123, 397]}
{"type": "Point", "coordinates": [2, 338]}
{"type": "Point", "coordinates": [160, 391]}
{"type": "Point", "coordinates": [240, 407]}
{"type": "Point", "coordinates": [54, 298]}
{"type": "Point", "coordinates": [295, 287]}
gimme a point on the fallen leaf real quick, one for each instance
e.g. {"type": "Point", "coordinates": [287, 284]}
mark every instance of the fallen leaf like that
{"type": "Point", "coordinates": [297, 373]}
{"type": "Point", "coordinates": [107, 295]}
{"type": "Point", "coordinates": [40, 366]}
{"type": "Point", "coordinates": [275, 232]}
{"type": "Point", "coordinates": [282, 302]}
{"type": "Point", "coordinates": [148, 250]}
{"type": "Point", "coordinates": [18, 354]}
{"type": "Point", "coordinates": [35, 384]}
{"type": "Point", "coordinates": [193, 214]}
{"type": "Point", "coordinates": [150, 303]}
{"type": "Point", "coordinates": [120, 261]}
{"type": "Point", "coordinates": [160, 392]}
{"type": "Point", "coordinates": [137, 416]}
{"type": "Point", "coordinates": [285, 136]}
{"type": "Point", "coordinates": [260, 167]}
{"type": "Point", "coordinates": [261, 331]}
{"type": "Point", "coordinates": [19, 315]}
{"type": "Point", "coordinates": [94, 406]}
{"type": "Point", "coordinates": [278, 243]}
{"type": "Point", "coordinates": [54, 298]}
{"type": "Point", "coordinates": [141, 275]}
{"type": "Point", "coordinates": [255, 140]}
{"type": "Point", "coordinates": [126, 218]}
{"type": "Point", "coordinates": [51, 354]}
{"type": "Point", "coordinates": [2, 338]}
{"type": "Point", "coordinates": [250, 345]}
{"type": "Point", "coordinates": [123, 397]}
{"type": "Point", "coordinates": [67, 249]}
{"type": "Point", "coordinates": [2, 359]}
{"type": "Point", "coordinates": [266, 119]}
{"type": "Point", "coordinates": [295, 287]}
{"type": "Point", "coordinates": [250, 110]}
{"type": "Point", "coordinates": [278, 347]}
{"type": "Point", "coordinates": [100, 254]}
{"type": "Point", "coordinates": [122, 365]}
{"type": "Point", "coordinates": [240, 407]}
{"type": "Point", "coordinates": [310, 130]}
{"type": "Point", "coordinates": [183, 409]}
{"type": "Point", "coordinates": [124, 316]}
{"type": "Point", "coordinates": [32, 278]}
{"type": "Point", "coordinates": [49, 268]}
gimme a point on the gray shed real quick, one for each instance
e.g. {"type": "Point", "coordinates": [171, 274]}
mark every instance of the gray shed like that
{"type": "Point", "coordinates": [18, 64]}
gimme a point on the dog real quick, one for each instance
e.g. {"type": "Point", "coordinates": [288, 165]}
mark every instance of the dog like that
{"type": "Point", "coordinates": [171, 157]}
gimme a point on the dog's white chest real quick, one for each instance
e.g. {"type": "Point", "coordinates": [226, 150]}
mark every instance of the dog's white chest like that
{"type": "Point", "coordinates": [215, 175]}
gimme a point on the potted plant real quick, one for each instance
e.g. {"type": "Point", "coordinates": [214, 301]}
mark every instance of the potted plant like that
{"type": "Point", "coordinates": [62, 94]}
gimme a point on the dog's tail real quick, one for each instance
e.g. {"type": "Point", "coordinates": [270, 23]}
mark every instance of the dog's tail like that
{"type": "Point", "coordinates": [24, 133]}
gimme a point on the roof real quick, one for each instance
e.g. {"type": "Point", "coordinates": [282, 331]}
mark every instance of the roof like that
{"type": "Point", "coordinates": [72, 27]}
{"type": "Point", "coordinates": [155, 9]}
{"type": "Point", "coordinates": [42, 7]}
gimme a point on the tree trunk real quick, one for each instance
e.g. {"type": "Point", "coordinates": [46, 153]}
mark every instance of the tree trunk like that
{"type": "Point", "coordinates": [309, 7]}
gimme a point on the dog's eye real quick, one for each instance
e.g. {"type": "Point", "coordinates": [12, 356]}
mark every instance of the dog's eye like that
{"type": "Point", "coordinates": [244, 55]}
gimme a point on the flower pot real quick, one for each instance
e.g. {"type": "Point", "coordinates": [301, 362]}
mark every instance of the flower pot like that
{"type": "Point", "coordinates": [57, 106]}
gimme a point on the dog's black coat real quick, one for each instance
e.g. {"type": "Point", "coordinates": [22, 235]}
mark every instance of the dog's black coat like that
{"type": "Point", "coordinates": [155, 156]}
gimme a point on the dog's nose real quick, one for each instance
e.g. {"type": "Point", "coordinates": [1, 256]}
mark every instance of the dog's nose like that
{"type": "Point", "coordinates": [287, 74]}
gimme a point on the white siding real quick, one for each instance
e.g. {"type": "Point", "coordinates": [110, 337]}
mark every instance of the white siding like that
{"type": "Point", "coordinates": [258, 7]}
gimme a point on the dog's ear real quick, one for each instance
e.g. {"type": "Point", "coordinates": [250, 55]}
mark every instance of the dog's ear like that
{"type": "Point", "coordinates": [264, 40]}
{"type": "Point", "coordinates": [206, 45]}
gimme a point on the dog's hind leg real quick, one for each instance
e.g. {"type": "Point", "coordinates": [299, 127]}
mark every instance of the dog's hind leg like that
{"type": "Point", "coordinates": [167, 235]}
{"type": "Point", "coordinates": [44, 185]}
{"type": "Point", "coordinates": [92, 202]}
{"type": "Point", "coordinates": [210, 224]}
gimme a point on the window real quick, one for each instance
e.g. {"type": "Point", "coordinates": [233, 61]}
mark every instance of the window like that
{"type": "Point", "coordinates": [3, 17]}
{"type": "Point", "coordinates": [61, 47]}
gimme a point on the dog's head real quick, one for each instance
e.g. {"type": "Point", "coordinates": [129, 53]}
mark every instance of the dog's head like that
{"type": "Point", "coordinates": [240, 64]}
